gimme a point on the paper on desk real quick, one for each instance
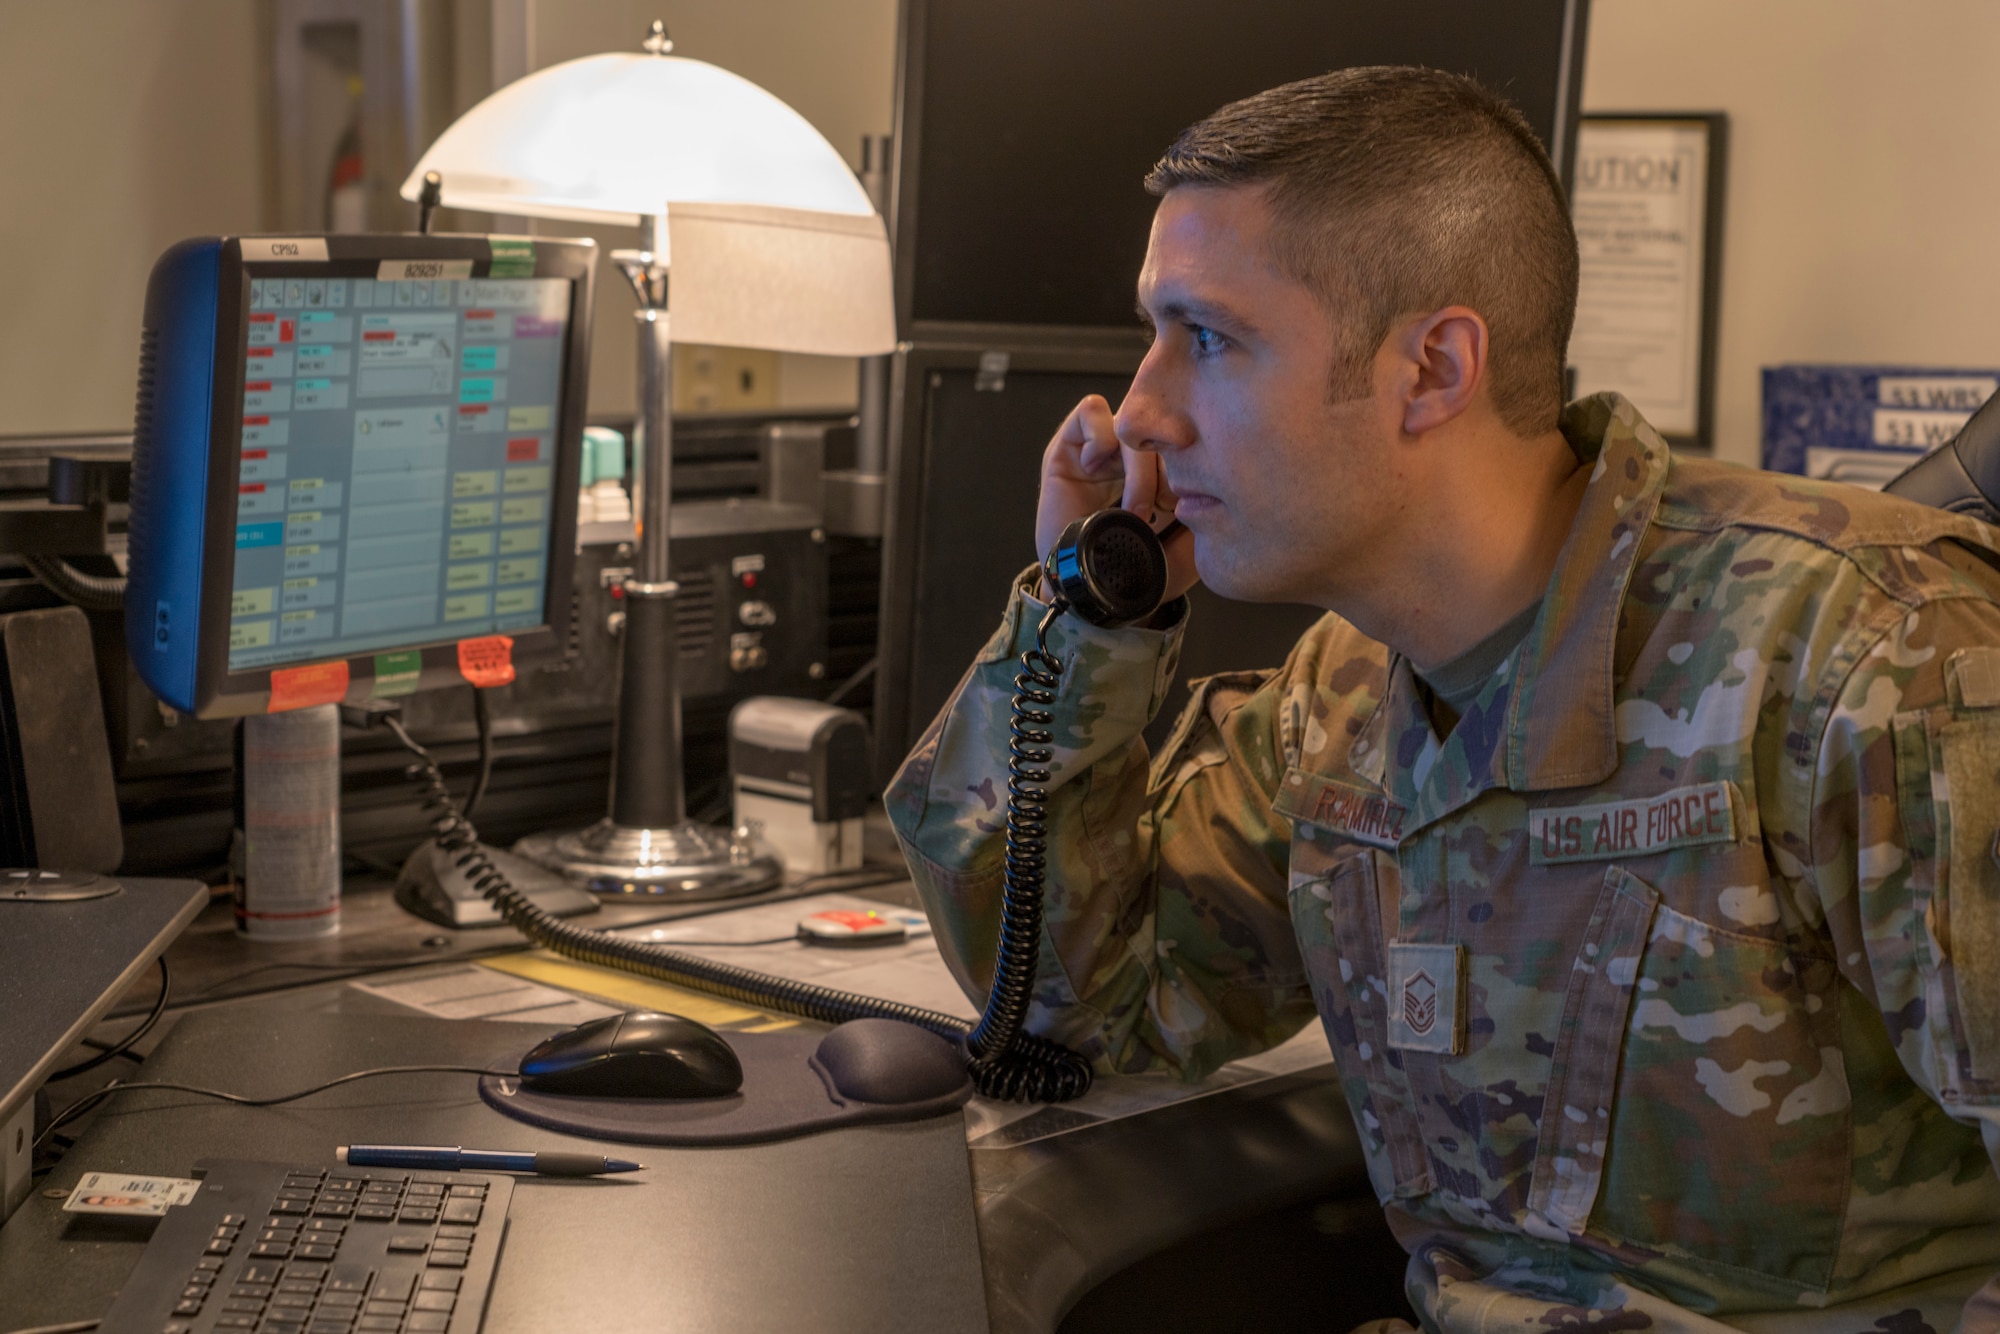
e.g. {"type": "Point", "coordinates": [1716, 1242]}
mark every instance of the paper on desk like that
{"type": "Point", "coordinates": [473, 992]}
{"type": "Point", "coordinates": [629, 991]}
{"type": "Point", "coordinates": [910, 971]}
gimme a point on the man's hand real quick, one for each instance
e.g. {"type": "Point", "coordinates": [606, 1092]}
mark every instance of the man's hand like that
{"type": "Point", "coordinates": [1086, 469]}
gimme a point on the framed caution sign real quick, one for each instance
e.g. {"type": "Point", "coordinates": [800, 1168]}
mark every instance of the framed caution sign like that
{"type": "Point", "coordinates": [1647, 202]}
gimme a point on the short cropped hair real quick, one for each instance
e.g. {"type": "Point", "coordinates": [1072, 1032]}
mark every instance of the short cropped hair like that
{"type": "Point", "coordinates": [1396, 191]}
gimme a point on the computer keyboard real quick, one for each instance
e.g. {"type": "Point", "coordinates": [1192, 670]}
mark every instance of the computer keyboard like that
{"type": "Point", "coordinates": [277, 1248]}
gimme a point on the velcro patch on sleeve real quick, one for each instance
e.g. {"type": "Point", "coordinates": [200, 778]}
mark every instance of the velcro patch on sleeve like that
{"type": "Point", "coordinates": [1682, 817]}
{"type": "Point", "coordinates": [1969, 749]}
{"type": "Point", "coordinates": [1348, 810]}
{"type": "Point", "coordinates": [1974, 675]}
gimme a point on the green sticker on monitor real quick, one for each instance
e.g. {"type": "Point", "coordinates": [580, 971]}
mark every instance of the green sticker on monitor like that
{"type": "Point", "coordinates": [397, 673]}
{"type": "Point", "coordinates": [512, 257]}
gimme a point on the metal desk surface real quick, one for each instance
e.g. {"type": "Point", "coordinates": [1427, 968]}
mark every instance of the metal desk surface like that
{"type": "Point", "coordinates": [1055, 1216]}
{"type": "Point", "coordinates": [794, 1235]}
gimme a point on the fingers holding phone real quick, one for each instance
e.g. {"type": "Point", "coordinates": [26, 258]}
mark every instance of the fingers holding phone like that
{"type": "Point", "coordinates": [1085, 469]}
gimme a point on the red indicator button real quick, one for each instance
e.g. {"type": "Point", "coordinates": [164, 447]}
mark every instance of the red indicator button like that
{"type": "Point", "coordinates": [379, 336]}
{"type": "Point", "coordinates": [249, 454]}
{"type": "Point", "coordinates": [250, 489]}
{"type": "Point", "coordinates": [256, 421]}
{"type": "Point", "coordinates": [749, 579]}
{"type": "Point", "coordinates": [523, 451]}
{"type": "Point", "coordinates": [257, 387]}
{"type": "Point", "coordinates": [285, 331]}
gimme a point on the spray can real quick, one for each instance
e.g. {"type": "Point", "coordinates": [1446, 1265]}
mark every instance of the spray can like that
{"type": "Point", "coordinates": [288, 875]}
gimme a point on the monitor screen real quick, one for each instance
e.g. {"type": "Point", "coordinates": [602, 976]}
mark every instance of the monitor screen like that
{"type": "Point", "coordinates": [1026, 129]}
{"type": "Point", "coordinates": [355, 465]}
{"type": "Point", "coordinates": [397, 465]}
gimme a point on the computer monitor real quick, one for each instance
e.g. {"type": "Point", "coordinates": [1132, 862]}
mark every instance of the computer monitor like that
{"type": "Point", "coordinates": [1024, 129]}
{"type": "Point", "coordinates": [355, 465]}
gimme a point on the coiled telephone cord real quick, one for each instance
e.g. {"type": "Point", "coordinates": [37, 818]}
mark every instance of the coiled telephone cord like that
{"type": "Point", "coordinates": [1007, 1063]}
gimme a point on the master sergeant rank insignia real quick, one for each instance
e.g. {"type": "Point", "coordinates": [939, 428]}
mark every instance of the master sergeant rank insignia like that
{"type": "Point", "coordinates": [1427, 998]}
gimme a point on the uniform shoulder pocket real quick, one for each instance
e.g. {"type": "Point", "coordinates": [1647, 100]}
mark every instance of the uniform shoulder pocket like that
{"type": "Point", "coordinates": [1214, 698]}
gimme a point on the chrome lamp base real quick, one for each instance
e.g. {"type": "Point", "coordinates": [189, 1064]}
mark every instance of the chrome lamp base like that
{"type": "Point", "coordinates": [683, 864]}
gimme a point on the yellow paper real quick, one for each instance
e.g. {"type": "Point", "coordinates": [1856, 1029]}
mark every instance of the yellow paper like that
{"type": "Point", "coordinates": [629, 989]}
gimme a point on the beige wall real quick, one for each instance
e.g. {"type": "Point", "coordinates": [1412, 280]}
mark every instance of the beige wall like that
{"type": "Point", "coordinates": [1860, 200]}
{"type": "Point", "coordinates": [125, 125]}
{"type": "Point", "coordinates": [1863, 182]}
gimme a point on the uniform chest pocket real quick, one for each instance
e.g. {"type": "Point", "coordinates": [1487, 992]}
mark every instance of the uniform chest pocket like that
{"type": "Point", "coordinates": [1337, 906]}
{"type": "Point", "coordinates": [1576, 1119]}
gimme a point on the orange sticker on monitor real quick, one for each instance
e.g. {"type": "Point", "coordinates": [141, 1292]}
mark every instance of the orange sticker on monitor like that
{"type": "Point", "coordinates": [303, 687]}
{"type": "Point", "coordinates": [488, 661]}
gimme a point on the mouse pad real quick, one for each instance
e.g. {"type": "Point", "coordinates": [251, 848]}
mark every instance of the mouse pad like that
{"type": "Point", "coordinates": [786, 1091]}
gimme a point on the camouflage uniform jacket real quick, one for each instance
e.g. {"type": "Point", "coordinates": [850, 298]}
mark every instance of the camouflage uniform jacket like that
{"type": "Point", "coordinates": [1665, 991]}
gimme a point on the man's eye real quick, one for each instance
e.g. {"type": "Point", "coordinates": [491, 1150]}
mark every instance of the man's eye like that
{"type": "Point", "coordinates": [1207, 342]}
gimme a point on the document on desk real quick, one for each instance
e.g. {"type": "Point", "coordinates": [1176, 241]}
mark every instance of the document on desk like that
{"type": "Point", "coordinates": [910, 971]}
{"type": "Point", "coordinates": [473, 992]}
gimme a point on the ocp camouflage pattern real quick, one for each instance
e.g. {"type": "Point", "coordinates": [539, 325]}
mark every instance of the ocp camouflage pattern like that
{"type": "Point", "coordinates": [1716, 847]}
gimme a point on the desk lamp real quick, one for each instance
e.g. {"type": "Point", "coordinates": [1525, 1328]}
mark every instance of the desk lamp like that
{"type": "Point", "coordinates": [773, 244]}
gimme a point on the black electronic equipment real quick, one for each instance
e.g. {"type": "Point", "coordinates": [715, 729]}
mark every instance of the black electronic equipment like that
{"type": "Point", "coordinates": [286, 1248]}
{"type": "Point", "coordinates": [58, 799]}
{"type": "Point", "coordinates": [752, 606]}
{"type": "Point", "coordinates": [433, 885]}
{"type": "Point", "coordinates": [1024, 130]}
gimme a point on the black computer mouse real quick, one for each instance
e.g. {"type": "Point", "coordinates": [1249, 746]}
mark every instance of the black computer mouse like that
{"type": "Point", "coordinates": [641, 1054]}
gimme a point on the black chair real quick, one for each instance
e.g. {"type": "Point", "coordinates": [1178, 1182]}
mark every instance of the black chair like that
{"type": "Point", "coordinates": [1963, 475]}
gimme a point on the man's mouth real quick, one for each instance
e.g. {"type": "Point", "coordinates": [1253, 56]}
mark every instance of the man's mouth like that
{"type": "Point", "coordinates": [1191, 506]}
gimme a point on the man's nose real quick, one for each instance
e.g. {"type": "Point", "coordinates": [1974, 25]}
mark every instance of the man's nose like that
{"type": "Point", "coordinates": [1150, 418]}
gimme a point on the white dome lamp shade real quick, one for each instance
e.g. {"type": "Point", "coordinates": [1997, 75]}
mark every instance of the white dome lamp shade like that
{"type": "Point", "coordinates": [770, 242]}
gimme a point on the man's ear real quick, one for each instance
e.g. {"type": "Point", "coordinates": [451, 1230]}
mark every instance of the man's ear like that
{"type": "Point", "coordinates": [1444, 369]}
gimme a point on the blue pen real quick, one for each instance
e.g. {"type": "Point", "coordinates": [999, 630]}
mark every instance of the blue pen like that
{"type": "Point", "coordinates": [455, 1159]}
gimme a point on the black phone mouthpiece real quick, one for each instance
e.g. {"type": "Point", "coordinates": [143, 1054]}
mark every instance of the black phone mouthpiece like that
{"type": "Point", "coordinates": [1109, 567]}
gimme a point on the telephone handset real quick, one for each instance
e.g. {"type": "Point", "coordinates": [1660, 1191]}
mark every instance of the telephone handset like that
{"type": "Point", "coordinates": [1111, 570]}
{"type": "Point", "coordinates": [1109, 567]}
